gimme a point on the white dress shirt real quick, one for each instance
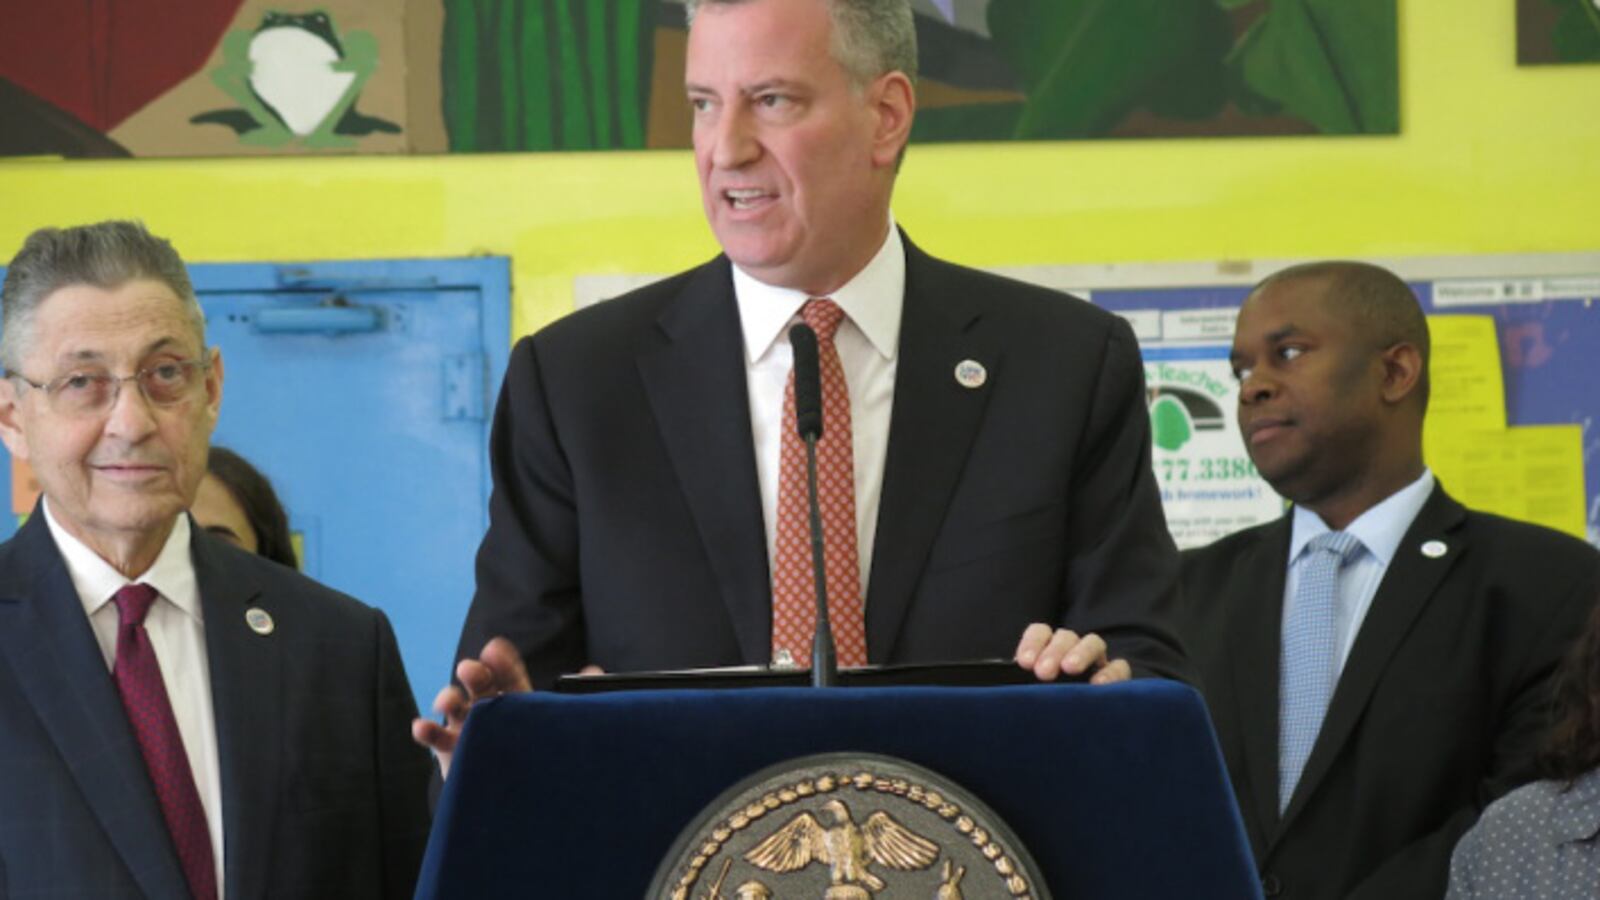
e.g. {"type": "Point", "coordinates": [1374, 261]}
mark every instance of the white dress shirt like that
{"type": "Point", "coordinates": [868, 341]}
{"type": "Point", "coordinates": [176, 628]}
{"type": "Point", "coordinates": [1380, 530]}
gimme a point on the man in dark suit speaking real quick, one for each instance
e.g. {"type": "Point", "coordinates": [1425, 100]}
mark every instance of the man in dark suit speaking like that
{"type": "Point", "coordinates": [1376, 661]}
{"type": "Point", "coordinates": [181, 718]}
{"type": "Point", "coordinates": [985, 457]}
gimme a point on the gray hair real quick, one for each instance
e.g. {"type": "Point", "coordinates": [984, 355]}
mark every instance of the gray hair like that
{"type": "Point", "coordinates": [105, 255]}
{"type": "Point", "coordinates": [870, 37]}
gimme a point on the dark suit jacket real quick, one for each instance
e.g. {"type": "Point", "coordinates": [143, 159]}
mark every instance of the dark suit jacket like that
{"type": "Point", "coordinates": [1436, 713]}
{"type": "Point", "coordinates": [323, 791]}
{"type": "Point", "coordinates": [626, 526]}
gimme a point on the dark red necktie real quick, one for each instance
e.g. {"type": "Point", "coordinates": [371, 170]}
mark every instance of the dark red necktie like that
{"type": "Point", "coordinates": [794, 599]}
{"type": "Point", "coordinates": [144, 696]}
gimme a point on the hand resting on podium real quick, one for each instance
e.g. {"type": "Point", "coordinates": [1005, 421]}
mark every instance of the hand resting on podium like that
{"type": "Point", "coordinates": [1051, 653]}
{"type": "Point", "coordinates": [497, 670]}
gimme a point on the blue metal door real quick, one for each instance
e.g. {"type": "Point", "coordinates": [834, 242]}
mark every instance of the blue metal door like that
{"type": "Point", "coordinates": [363, 391]}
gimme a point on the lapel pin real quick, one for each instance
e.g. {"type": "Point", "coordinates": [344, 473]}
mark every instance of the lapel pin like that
{"type": "Point", "coordinates": [1434, 549]}
{"type": "Point", "coordinates": [971, 374]}
{"type": "Point", "coordinates": [259, 620]}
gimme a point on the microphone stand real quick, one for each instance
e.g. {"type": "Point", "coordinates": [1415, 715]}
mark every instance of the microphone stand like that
{"type": "Point", "coordinates": [824, 666]}
{"type": "Point", "coordinates": [808, 423]}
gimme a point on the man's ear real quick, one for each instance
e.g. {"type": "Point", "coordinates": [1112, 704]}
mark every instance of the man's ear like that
{"type": "Point", "coordinates": [894, 100]}
{"type": "Point", "coordinates": [1402, 372]}
{"type": "Point", "coordinates": [11, 417]}
{"type": "Point", "coordinates": [214, 385]}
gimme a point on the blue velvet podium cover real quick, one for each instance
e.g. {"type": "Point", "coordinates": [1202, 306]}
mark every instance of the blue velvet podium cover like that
{"type": "Point", "coordinates": [1117, 791]}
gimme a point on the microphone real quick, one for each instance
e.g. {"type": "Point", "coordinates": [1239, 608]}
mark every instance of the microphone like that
{"type": "Point", "coordinates": [807, 382]}
{"type": "Point", "coordinates": [808, 422]}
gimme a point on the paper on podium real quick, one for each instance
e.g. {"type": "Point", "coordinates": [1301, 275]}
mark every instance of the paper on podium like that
{"type": "Point", "coordinates": [972, 673]}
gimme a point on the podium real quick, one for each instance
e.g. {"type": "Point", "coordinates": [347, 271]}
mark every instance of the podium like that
{"type": "Point", "coordinates": [1116, 791]}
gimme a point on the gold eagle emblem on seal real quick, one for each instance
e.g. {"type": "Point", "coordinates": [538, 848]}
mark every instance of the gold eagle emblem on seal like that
{"type": "Point", "coordinates": [847, 827]}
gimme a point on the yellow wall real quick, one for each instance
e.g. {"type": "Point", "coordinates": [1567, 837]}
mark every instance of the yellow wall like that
{"type": "Point", "coordinates": [1492, 159]}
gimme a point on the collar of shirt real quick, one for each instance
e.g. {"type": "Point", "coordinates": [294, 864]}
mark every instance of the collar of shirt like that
{"type": "Point", "coordinates": [1380, 529]}
{"type": "Point", "coordinates": [871, 300]}
{"type": "Point", "coordinates": [1575, 810]}
{"type": "Point", "coordinates": [172, 574]}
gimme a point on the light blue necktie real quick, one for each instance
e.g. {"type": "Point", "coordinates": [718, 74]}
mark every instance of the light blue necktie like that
{"type": "Point", "coordinates": [1308, 665]}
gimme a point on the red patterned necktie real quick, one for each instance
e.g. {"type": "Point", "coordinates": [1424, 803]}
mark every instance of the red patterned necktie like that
{"type": "Point", "coordinates": [794, 599]}
{"type": "Point", "coordinates": [138, 676]}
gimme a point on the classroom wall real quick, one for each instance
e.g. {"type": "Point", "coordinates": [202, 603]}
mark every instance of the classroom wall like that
{"type": "Point", "coordinates": [1491, 159]}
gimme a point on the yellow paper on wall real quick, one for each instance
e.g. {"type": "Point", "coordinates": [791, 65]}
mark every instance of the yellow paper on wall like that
{"type": "Point", "coordinates": [1533, 472]}
{"type": "Point", "coordinates": [1467, 390]}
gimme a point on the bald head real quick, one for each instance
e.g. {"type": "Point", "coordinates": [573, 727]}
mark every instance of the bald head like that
{"type": "Point", "coordinates": [1374, 301]}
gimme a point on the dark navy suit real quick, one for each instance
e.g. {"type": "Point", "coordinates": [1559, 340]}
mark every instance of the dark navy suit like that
{"type": "Point", "coordinates": [626, 526]}
{"type": "Point", "coordinates": [323, 792]}
{"type": "Point", "coordinates": [1438, 709]}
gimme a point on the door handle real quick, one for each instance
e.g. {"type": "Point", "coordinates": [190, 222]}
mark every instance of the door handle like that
{"type": "Point", "coordinates": [331, 320]}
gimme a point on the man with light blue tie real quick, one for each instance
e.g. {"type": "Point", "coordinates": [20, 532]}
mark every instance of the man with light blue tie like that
{"type": "Point", "coordinates": [1377, 660]}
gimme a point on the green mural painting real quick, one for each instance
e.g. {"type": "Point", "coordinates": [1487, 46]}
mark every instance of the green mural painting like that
{"type": "Point", "coordinates": [1332, 63]}
{"type": "Point", "coordinates": [1154, 68]}
{"type": "Point", "coordinates": [295, 78]}
{"type": "Point", "coordinates": [580, 75]}
{"type": "Point", "coordinates": [1558, 31]}
{"type": "Point", "coordinates": [1082, 66]}
{"type": "Point", "coordinates": [521, 75]}
{"type": "Point", "coordinates": [464, 76]}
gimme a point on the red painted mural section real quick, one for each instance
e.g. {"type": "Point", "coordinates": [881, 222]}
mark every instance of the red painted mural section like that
{"type": "Point", "coordinates": [103, 60]}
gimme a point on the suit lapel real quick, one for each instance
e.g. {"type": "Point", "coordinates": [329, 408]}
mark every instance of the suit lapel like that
{"type": "Point", "coordinates": [247, 696]}
{"type": "Point", "coordinates": [1407, 587]}
{"type": "Point", "coordinates": [47, 641]}
{"type": "Point", "coordinates": [930, 434]}
{"type": "Point", "coordinates": [1256, 618]}
{"type": "Point", "coordinates": [697, 388]}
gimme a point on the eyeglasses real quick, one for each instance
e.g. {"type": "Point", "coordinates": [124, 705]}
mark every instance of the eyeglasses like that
{"type": "Point", "coordinates": [91, 393]}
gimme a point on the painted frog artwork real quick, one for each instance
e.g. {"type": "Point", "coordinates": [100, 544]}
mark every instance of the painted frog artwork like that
{"type": "Point", "coordinates": [296, 78]}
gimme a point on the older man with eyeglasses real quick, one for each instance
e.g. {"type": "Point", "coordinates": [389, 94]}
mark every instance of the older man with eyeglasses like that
{"type": "Point", "coordinates": [178, 718]}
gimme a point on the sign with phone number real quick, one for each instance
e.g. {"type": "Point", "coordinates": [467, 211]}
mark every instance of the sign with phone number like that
{"type": "Point", "coordinates": [1207, 468]}
{"type": "Point", "coordinates": [1209, 486]}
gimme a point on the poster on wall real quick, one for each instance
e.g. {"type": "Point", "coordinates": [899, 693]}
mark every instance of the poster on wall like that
{"type": "Point", "coordinates": [1209, 486]}
{"type": "Point", "coordinates": [229, 77]}
{"type": "Point", "coordinates": [1558, 31]}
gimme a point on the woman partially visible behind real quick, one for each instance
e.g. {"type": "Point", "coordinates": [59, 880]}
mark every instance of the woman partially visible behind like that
{"type": "Point", "coordinates": [237, 503]}
{"type": "Point", "coordinates": [1539, 841]}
